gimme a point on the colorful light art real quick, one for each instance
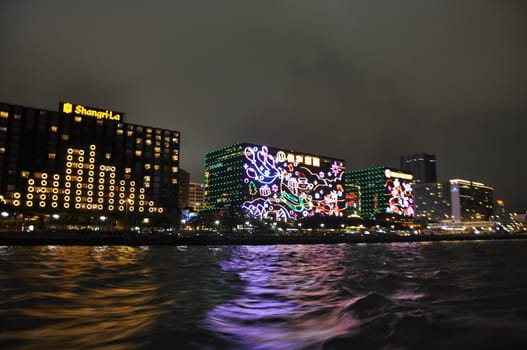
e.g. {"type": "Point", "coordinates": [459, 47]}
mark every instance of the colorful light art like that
{"type": "Point", "coordinates": [291, 186]}
{"type": "Point", "coordinates": [400, 197]}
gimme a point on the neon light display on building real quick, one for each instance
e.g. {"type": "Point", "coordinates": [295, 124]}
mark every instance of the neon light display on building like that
{"type": "Point", "coordinates": [399, 192]}
{"type": "Point", "coordinates": [291, 186]}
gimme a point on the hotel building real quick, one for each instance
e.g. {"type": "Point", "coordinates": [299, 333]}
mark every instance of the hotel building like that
{"type": "Point", "coordinates": [454, 200]}
{"type": "Point", "coordinates": [268, 182]}
{"type": "Point", "coordinates": [85, 159]}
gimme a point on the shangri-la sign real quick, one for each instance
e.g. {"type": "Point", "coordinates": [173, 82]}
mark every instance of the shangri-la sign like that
{"type": "Point", "coordinates": [81, 110]}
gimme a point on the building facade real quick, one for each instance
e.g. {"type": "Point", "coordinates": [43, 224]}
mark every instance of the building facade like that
{"type": "Point", "coordinates": [82, 159]}
{"type": "Point", "coordinates": [454, 200]}
{"type": "Point", "coordinates": [184, 188]}
{"type": "Point", "coordinates": [380, 192]}
{"type": "Point", "coordinates": [422, 166]}
{"type": "Point", "coordinates": [196, 196]}
{"type": "Point", "coordinates": [268, 182]}
{"type": "Point", "coordinates": [433, 201]}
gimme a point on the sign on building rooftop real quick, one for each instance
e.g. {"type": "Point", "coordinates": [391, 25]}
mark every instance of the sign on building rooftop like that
{"type": "Point", "coordinates": [84, 111]}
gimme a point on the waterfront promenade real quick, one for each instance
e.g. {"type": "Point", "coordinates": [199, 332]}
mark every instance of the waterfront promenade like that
{"type": "Point", "coordinates": [134, 239]}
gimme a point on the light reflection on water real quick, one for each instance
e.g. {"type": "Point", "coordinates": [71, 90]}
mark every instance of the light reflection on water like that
{"type": "Point", "coordinates": [390, 296]}
{"type": "Point", "coordinates": [287, 303]}
{"type": "Point", "coordinates": [73, 295]}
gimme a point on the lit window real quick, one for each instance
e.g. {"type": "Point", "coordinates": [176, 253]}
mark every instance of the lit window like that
{"type": "Point", "coordinates": [2, 150]}
{"type": "Point", "coordinates": [65, 137]}
{"type": "Point", "coordinates": [148, 142]}
{"type": "Point", "coordinates": [138, 153]}
{"type": "Point", "coordinates": [52, 155]}
{"type": "Point", "coordinates": [78, 119]}
{"type": "Point", "coordinates": [108, 155]}
{"type": "Point", "coordinates": [4, 114]}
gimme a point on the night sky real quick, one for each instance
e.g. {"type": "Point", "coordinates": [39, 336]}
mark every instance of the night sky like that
{"type": "Point", "coordinates": [364, 81]}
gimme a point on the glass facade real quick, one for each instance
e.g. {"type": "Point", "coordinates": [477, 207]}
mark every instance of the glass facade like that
{"type": "Point", "coordinates": [54, 161]}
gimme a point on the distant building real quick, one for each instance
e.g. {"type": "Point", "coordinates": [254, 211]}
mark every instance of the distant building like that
{"type": "Point", "coordinates": [269, 182]}
{"type": "Point", "coordinates": [184, 188]}
{"type": "Point", "coordinates": [456, 200]}
{"type": "Point", "coordinates": [422, 166]}
{"type": "Point", "coordinates": [433, 201]}
{"type": "Point", "coordinates": [83, 159]}
{"type": "Point", "coordinates": [380, 192]}
{"type": "Point", "coordinates": [196, 196]}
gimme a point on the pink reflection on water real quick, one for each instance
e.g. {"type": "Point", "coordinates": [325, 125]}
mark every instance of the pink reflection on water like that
{"type": "Point", "coordinates": [288, 303]}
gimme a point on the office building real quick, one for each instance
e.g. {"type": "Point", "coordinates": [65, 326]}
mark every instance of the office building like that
{"type": "Point", "coordinates": [268, 182]}
{"type": "Point", "coordinates": [422, 166]}
{"type": "Point", "coordinates": [196, 196]}
{"type": "Point", "coordinates": [184, 187]}
{"type": "Point", "coordinates": [380, 193]}
{"type": "Point", "coordinates": [83, 159]}
{"type": "Point", "coordinates": [454, 200]}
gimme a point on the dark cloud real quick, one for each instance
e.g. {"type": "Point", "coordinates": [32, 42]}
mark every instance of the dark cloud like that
{"type": "Point", "coordinates": [366, 81]}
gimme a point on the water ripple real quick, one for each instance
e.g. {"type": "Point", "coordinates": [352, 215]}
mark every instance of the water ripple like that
{"type": "Point", "coordinates": [376, 296]}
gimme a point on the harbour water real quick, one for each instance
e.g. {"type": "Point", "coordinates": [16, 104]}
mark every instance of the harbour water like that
{"type": "Point", "coordinates": [421, 295]}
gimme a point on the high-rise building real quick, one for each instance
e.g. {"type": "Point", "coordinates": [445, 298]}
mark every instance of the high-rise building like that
{"type": "Point", "coordinates": [184, 188]}
{"type": "Point", "coordinates": [455, 200]}
{"type": "Point", "coordinates": [196, 196]}
{"type": "Point", "coordinates": [264, 182]}
{"type": "Point", "coordinates": [380, 192]}
{"type": "Point", "coordinates": [422, 166]}
{"type": "Point", "coordinates": [86, 160]}
{"type": "Point", "coordinates": [433, 201]}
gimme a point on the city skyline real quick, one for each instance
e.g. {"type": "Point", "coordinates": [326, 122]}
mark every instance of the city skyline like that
{"type": "Point", "coordinates": [362, 82]}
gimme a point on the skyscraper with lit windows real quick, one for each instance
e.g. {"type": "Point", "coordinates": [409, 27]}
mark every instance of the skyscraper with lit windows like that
{"type": "Point", "coordinates": [454, 200]}
{"type": "Point", "coordinates": [422, 166]}
{"type": "Point", "coordinates": [86, 159]}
